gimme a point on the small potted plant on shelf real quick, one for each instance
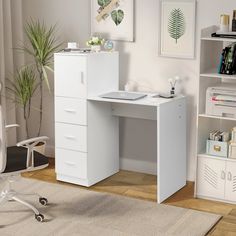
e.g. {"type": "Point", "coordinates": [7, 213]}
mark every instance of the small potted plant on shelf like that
{"type": "Point", "coordinates": [95, 43]}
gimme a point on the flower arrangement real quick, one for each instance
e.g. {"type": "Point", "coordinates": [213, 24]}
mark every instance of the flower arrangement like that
{"type": "Point", "coordinates": [95, 41]}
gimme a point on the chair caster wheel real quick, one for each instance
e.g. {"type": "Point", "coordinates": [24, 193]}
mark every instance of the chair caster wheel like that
{"type": "Point", "coordinates": [43, 201]}
{"type": "Point", "coordinates": [39, 217]}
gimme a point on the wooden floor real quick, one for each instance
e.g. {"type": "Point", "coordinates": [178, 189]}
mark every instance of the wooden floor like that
{"type": "Point", "coordinates": [143, 186]}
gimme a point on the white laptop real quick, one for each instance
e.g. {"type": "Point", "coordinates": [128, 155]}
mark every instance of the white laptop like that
{"type": "Point", "coordinates": [123, 95]}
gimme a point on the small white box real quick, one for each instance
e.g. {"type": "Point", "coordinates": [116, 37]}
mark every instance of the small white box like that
{"type": "Point", "coordinates": [232, 150]}
{"type": "Point", "coordinates": [216, 148]}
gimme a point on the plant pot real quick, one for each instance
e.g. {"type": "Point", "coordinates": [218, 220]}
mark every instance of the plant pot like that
{"type": "Point", "coordinates": [95, 48]}
{"type": "Point", "coordinates": [40, 147]}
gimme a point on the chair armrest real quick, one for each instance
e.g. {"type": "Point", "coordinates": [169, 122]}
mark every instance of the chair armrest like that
{"type": "Point", "coordinates": [11, 126]}
{"type": "Point", "coordinates": [32, 141]}
{"type": "Point", "coordinates": [30, 144]}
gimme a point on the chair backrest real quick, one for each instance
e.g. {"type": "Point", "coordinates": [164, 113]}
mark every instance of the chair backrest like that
{"type": "Point", "coordinates": [2, 130]}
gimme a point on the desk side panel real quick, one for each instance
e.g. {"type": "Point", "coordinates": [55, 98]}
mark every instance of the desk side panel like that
{"type": "Point", "coordinates": [171, 158]}
{"type": "Point", "coordinates": [103, 142]}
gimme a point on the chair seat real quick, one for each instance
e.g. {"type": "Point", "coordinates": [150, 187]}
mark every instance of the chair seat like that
{"type": "Point", "coordinates": [17, 157]}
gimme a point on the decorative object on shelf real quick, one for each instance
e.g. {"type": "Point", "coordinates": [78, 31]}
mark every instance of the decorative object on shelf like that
{"type": "Point", "coordinates": [72, 45]}
{"type": "Point", "coordinates": [178, 28]}
{"type": "Point", "coordinates": [113, 18]}
{"type": "Point", "coordinates": [173, 82]}
{"type": "Point", "coordinates": [228, 60]}
{"type": "Point", "coordinates": [95, 43]}
{"type": "Point", "coordinates": [232, 145]}
{"type": "Point", "coordinates": [224, 23]}
{"type": "Point", "coordinates": [233, 135]}
{"type": "Point", "coordinates": [108, 45]}
{"type": "Point", "coordinates": [234, 21]}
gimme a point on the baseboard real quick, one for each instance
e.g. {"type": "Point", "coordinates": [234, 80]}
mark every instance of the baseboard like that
{"type": "Point", "coordinates": [138, 166]}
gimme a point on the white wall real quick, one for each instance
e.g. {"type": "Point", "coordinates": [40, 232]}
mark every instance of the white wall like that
{"type": "Point", "coordinates": [139, 61]}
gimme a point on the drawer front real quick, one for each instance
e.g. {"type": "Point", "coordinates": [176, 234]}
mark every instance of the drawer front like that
{"type": "Point", "coordinates": [70, 110]}
{"type": "Point", "coordinates": [70, 76]}
{"type": "Point", "coordinates": [71, 163]}
{"type": "Point", "coordinates": [73, 137]}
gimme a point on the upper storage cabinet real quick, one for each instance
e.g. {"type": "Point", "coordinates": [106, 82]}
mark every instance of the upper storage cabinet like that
{"type": "Point", "coordinates": [80, 75]}
{"type": "Point", "coordinates": [70, 76]}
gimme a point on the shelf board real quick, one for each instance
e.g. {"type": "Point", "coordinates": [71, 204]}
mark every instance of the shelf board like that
{"type": "Point", "coordinates": [212, 73]}
{"type": "Point", "coordinates": [216, 117]}
{"type": "Point", "coordinates": [209, 38]}
{"type": "Point", "coordinates": [216, 157]}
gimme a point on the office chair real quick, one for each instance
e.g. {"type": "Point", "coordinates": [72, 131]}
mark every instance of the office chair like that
{"type": "Point", "coordinates": [16, 160]}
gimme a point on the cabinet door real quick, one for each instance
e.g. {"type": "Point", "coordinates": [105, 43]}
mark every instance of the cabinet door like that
{"type": "Point", "coordinates": [230, 187]}
{"type": "Point", "coordinates": [70, 76]}
{"type": "Point", "coordinates": [211, 177]}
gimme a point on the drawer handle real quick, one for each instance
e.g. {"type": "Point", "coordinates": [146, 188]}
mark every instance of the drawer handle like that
{"type": "Point", "coordinates": [222, 175]}
{"type": "Point", "coordinates": [70, 111]}
{"type": "Point", "coordinates": [70, 163]}
{"type": "Point", "coordinates": [229, 176]}
{"type": "Point", "coordinates": [217, 148]}
{"type": "Point", "coordinates": [70, 137]}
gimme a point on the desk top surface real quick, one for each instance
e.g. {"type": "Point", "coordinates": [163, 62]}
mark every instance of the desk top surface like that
{"type": "Point", "coordinates": [149, 100]}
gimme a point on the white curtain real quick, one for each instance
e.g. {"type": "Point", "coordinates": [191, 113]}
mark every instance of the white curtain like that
{"type": "Point", "coordinates": [6, 65]}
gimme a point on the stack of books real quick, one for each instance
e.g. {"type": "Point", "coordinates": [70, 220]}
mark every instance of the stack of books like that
{"type": "Point", "coordinates": [228, 60]}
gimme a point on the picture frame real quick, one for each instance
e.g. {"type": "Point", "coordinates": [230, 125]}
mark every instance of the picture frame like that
{"type": "Point", "coordinates": [113, 19]}
{"type": "Point", "coordinates": [177, 28]}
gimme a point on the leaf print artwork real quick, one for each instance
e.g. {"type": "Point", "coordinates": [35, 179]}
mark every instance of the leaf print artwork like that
{"type": "Point", "coordinates": [117, 16]}
{"type": "Point", "coordinates": [176, 24]}
{"type": "Point", "coordinates": [110, 8]}
{"type": "Point", "coordinates": [103, 3]}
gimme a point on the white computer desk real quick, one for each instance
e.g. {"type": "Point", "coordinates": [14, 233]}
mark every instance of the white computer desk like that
{"type": "Point", "coordinates": [170, 115]}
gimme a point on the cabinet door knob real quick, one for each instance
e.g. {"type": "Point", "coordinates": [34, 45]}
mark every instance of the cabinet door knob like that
{"type": "Point", "coordinates": [222, 174]}
{"type": "Point", "coordinates": [229, 176]}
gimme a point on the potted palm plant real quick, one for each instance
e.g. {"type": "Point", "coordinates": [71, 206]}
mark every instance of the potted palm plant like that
{"type": "Point", "coordinates": [22, 89]}
{"type": "Point", "coordinates": [41, 48]}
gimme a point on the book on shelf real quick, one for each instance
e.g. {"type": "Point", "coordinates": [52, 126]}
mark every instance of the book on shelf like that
{"type": "Point", "coordinates": [227, 63]}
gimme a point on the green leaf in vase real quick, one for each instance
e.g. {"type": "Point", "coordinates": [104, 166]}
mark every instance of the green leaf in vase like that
{"type": "Point", "coordinates": [117, 16]}
{"type": "Point", "coordinates": [103, 3]}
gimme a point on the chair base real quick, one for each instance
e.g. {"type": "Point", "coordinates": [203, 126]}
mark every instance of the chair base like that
{"type": "Point", "coordinates": [8, 194]}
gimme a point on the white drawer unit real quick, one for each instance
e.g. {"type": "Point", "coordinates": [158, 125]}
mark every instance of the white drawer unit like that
{"type": "Point", "coordinates": [216, 179]}
{"type": "Point", "coordinates": [70, 110]}
{"type": "Point", "coordinates": [79, 126]}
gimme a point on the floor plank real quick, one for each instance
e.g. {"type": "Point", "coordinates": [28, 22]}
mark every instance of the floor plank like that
{"type": "Point", "coordinates": [143, 186]}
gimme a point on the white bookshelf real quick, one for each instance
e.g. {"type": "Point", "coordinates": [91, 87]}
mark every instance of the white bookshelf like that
{"type": "Point", "coordinates": [212, 175]}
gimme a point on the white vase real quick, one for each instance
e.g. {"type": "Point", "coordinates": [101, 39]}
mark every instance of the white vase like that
{"type": "Point", "coordinates": [96, 48]}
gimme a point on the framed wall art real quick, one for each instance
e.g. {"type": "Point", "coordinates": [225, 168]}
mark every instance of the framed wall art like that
{"type": "Point", "coordinates": [178, 28]}
{"type": "Point", "coordinates": [112, 19]}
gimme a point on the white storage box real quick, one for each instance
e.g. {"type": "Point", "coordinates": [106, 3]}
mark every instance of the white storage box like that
{"type": "Point", "coordinates": [221, 101]}
{"type": "Point", "coordinates": [232, 150]}
{"type": "Point", "coordinates": [216, 148]}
